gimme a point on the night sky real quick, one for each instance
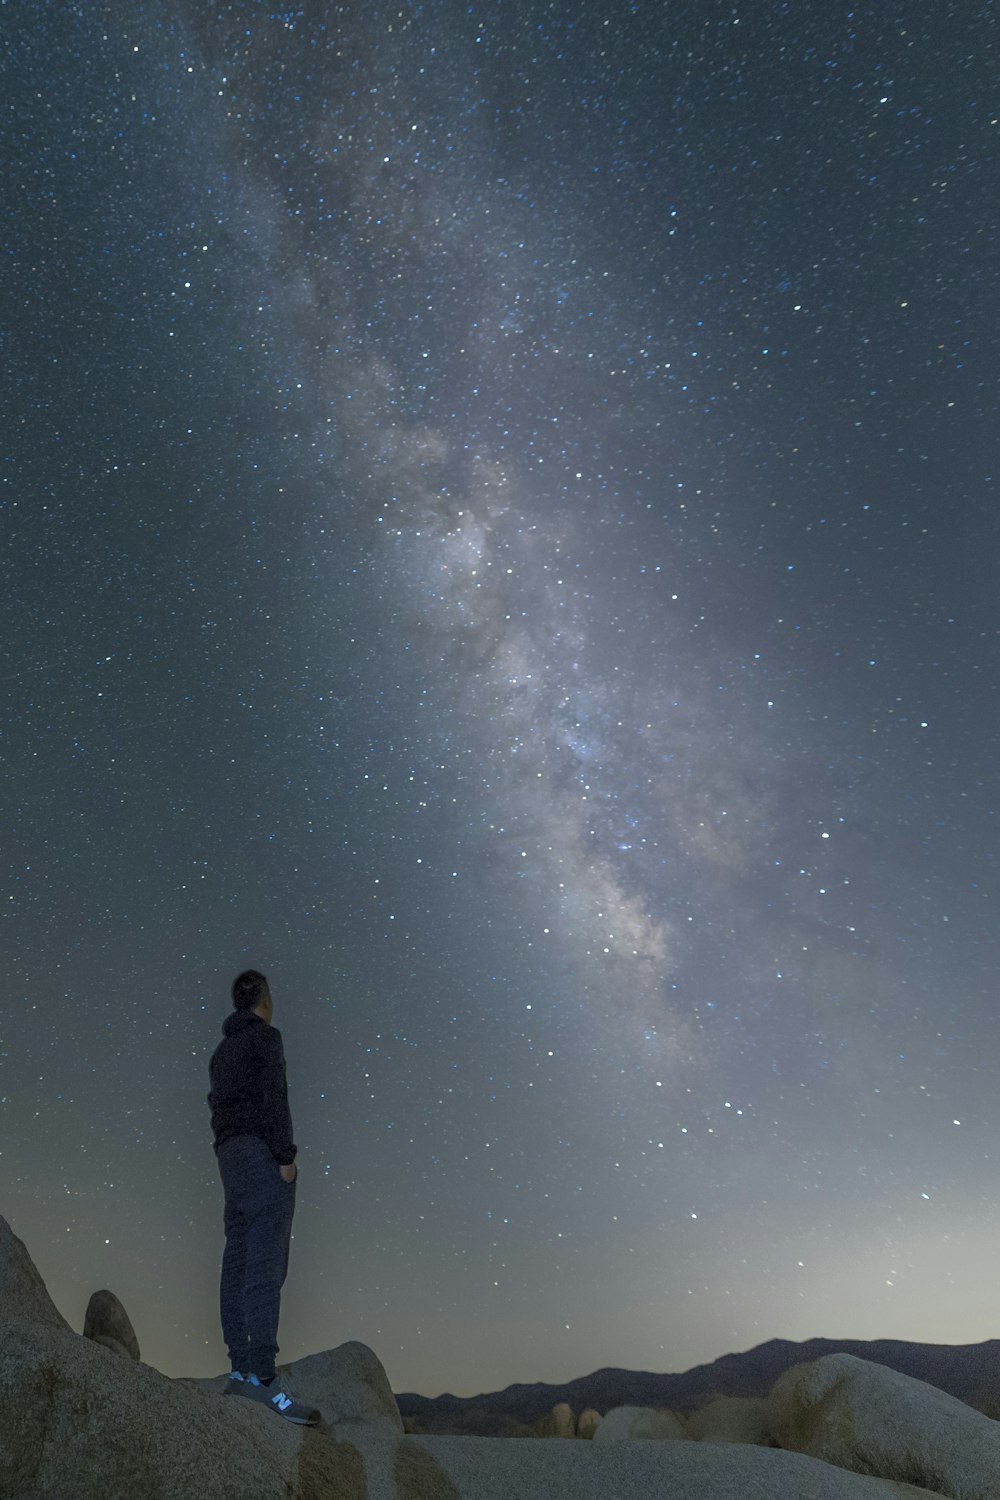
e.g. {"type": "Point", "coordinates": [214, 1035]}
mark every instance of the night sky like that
{"type": "Point", "coordinates": [500, 534]}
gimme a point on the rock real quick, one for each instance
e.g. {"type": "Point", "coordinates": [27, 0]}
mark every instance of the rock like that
{"type": "Point", "coordinates": [22, 1290]}
{"type": "Point", "coordinates": [864, 1417]}
{"type": "Point", "coordinates": [625, 1422]}
{"type": "Point", "coordinates": [563, 1420]}
{"type": "Point", "coordinates": [731, 1419]}
{"type": "Point", "coordinates": [469, 1468]}
{"type": "Point", "coordinates": [588, 1423]}
{"type": "Point", "coordinates": [105, 1341]}
{"type": "Point", "coordinates": [348, 1385]}
{"type": "Point", "coordinates": [105, 1318]}
{"type": "Point", "coordinates": [559, 1422]}
{"type": "Point", "coordinates": [76, 1423]}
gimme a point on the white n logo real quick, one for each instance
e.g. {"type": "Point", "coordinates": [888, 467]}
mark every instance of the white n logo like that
{"type": "Point", "coordinates": [281, 1401]}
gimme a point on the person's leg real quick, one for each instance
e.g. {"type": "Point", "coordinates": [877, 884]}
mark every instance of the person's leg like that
{"type": "Point", "coordinates": [267, 1246]}
{"type": "Point", "coordinates": [232, 1169]}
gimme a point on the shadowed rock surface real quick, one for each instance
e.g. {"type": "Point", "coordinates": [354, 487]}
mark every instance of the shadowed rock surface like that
{"type": "Point", "coordinates": [864, 1417]}
{"type": "Point", "coordinates": [107, 1321]}
{"type": "Point", "coordinates": [23, 1293]}
{"type": "Point", "coordinates": [104, 1341]}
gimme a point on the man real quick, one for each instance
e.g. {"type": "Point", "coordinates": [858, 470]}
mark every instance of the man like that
{"type": "Point", "coordinates": [253, 1142]}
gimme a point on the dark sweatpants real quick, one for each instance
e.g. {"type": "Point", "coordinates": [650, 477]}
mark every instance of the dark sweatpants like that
{"type": "Point", "coordinates": [259, 1209]}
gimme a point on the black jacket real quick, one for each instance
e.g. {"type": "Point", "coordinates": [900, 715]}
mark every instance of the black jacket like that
{"type": "Point", "coordinates": [249, 1093]}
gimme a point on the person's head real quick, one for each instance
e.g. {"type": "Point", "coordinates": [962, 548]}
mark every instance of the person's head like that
{"type": "Point", "coordinates": [251, 995]}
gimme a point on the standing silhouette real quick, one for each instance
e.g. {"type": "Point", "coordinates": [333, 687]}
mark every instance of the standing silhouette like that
{"type": "Point", "coordinates": [253, 1142]}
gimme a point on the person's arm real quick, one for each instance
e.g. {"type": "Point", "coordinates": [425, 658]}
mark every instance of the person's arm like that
{"type": "Point", "coordinates": [277, 1119]}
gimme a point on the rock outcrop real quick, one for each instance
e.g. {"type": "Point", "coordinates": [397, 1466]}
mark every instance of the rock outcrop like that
{"type": "Point", "coordinates": [588, 1423]}
{"type": "Point", "coordinates": [560, 1422]}
{"type": "Point", "coordinates": [83, 1417]}
{"type": "Point", "coordinates": [22, 1290]}
{"type": "Point", "coordinates": [74, 1421]}
{"type": "Point", "coordinates": [108, 1323]}
{"type": "Point", "coordinates": [864, 1417]}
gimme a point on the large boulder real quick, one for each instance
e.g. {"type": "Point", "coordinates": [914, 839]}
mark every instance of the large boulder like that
{"type": "Point", "coordinates": [348, 1386]}
{"type": "Point", "coordinates": [864, 1417]}
{"type": "Point", "coordinates": [106, 1319]}
{"type": "Point", "coordinates": [22, 1290]}
{"type": "Point", "coordinates": [588, 1423]}
{"type": "Point", "coordinates": [76, 1422]}
{"type": "Point", "coordinates": [625, 1422]}
{"type": "Point", "coordinates": [731, 1419]}
{"type": "Point", "coordinates": [560, 1422]}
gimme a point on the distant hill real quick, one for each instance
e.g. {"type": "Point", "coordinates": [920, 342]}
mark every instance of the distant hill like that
{"type": "Point", "coordinates": [969, 1371]}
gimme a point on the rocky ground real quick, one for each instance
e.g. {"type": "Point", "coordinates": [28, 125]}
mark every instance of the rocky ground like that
{"type": "Point", "coordinates": [82, 1416]}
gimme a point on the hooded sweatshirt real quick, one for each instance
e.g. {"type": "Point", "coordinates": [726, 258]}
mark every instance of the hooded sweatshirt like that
{"type": "Point", "coordinates": [249, 1094]}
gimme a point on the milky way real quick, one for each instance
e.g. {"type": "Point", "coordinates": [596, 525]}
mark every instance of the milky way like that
{"type": "Point", "coordinates": [503, 539]}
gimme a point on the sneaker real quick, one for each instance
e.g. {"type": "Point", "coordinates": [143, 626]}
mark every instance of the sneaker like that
{"type": "Point", "coordinates": [273, 1396]}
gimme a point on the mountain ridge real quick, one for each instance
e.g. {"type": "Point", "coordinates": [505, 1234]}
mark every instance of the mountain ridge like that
{"type": "Point", "coordinates": [971, 1372]}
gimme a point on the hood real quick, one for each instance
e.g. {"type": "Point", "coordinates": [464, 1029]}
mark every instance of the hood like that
{"type": "Point", "coordinates": [239, 1020]}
